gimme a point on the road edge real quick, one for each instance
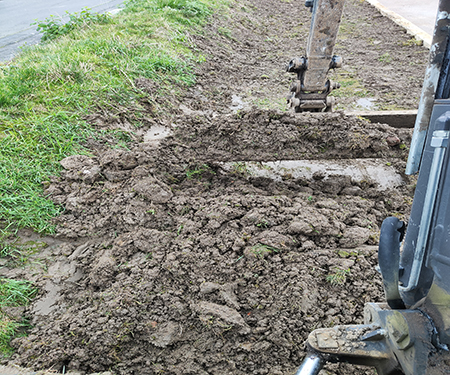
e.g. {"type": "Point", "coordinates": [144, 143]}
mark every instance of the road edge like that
{"type": "Point", "coordinates": [410, 28]}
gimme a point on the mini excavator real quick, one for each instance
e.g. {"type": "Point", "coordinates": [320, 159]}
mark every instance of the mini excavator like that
{"type": "Point", "coordinates": [410, 333]}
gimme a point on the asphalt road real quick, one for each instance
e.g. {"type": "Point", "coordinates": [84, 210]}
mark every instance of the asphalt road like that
{"type": "Point", "coordinates": [16, 17]}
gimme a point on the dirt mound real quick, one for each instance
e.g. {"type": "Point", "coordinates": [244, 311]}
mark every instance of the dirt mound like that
{"type": "Point", "coordinates": [189, 268]}
{"type": "Point", "coordinates": [170, 262]}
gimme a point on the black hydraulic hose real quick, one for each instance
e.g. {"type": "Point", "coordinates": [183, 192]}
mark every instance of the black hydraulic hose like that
{"type": "Point", "coordinates": [312, 364]}
{"type": "Point", "coordinates": [391, 235]}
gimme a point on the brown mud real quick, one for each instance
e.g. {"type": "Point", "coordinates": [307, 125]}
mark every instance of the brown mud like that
{"type": "Point", "coordinates": [166, 262]}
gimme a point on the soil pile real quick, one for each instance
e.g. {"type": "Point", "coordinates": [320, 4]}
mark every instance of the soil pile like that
{"type": "Point", "coordinates": [168, 262]}
{"type": "Point", "coordinates": [189, 268]}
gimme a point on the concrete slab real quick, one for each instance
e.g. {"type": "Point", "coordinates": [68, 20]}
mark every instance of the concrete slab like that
{"type": "Point", "coordinates": [396, 119]}
{"type": "Point", "coordinates": [385, 176]}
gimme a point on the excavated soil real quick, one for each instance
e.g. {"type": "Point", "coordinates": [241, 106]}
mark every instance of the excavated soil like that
{"type": "Point", "coordinates": [168, 260]}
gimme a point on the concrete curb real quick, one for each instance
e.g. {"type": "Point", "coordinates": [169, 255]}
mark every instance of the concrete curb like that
{"type": "Point", "coordinates": [396, 119]}
{"type": "Point", "coordinates": [412, 29]}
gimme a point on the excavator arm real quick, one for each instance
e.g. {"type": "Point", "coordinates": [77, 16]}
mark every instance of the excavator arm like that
{"type": "Point", "coordinates": [310, 90]}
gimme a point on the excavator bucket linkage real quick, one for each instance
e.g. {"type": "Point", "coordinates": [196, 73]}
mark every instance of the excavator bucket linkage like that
{"type": "Point", "coordinates": [310, 91]}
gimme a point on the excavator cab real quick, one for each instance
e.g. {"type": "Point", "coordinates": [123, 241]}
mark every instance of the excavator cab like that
{"type": "Point", "coordinates": [410, 333]}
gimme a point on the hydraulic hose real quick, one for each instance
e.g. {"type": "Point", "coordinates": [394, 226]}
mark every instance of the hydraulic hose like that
{"type": "Point", "coordinates": [312, 364]}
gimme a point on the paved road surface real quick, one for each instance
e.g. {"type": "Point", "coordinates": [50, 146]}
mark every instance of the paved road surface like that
{"type": "Point", "coordinates": [17, 15]}
{"type": "Point", "coordinates": [421, 13]}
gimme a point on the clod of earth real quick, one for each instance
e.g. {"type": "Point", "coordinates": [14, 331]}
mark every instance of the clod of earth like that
{"type": "Point", "coordinates": [221, 270]}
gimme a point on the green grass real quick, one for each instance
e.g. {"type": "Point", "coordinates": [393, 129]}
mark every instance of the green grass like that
{"type": "Point", "coordinates": [47, 92]}
{"type": "Point", "coordinates": [12, 293]}
{"type": "Point", "coordinates": [261, 250]}
{"type": "Point", "coordinates": [53, 27]}
{"type": "Point", "coordinates": [197, 170]}
{"type": "Point", "coordinates": [350, 86]}
{"type": "Point", "coordinates": [90, 67]}
{"type": "Point", "coordinates": [16, 252]}
{"type": "Point", "coordinates": [16, 292]}
{"type": "Point", "coordinates": [385, 58]}
{"type": "Point", "coordinates": [240, 168]}
{"type": "Point", "coordinates": [338, 277]}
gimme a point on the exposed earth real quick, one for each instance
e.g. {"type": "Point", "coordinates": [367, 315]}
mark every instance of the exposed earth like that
{"type": "Point", "coordinates": [176, 257]}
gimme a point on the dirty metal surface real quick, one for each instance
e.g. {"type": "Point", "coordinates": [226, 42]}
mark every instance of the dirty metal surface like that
{"type": "Point", "coordinates": [324, 29]}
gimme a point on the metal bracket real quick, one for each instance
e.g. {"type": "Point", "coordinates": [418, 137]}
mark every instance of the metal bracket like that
{"type": "Point", "coordinates": [389, 340]}
{"type": "Point", "coordinates": [440, 143]}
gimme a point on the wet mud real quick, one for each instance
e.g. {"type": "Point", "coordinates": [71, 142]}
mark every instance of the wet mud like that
{"type": "Point", "coordinates": [176, 256]}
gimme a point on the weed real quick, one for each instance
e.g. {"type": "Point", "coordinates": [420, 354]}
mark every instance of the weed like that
{"type": "Point", "coordinates": [207, 321]}
{"type": "Point", "coordinates": [385, 58]}
{"type": "Point", "coordinates": [225, 32]}
{"type": "Point", "coordinates": [54, 26]}
{"type": "Point", "coordinates": [245, 237]}
{"type": "Point", "coordinates": [412, 42]}
{"type": "Point", "coordinates": [350, 86]}
{"type": "Point", "coordinates": [263, 223]}
{"type": "Point", "coordinates": [240, 168]}
{"type": "Point", "coordinates": [358, 140]}
{"type": "Point", "coordinates": [339, 277]}
{"type": "Point", "coordinates": [408, 200]}
{"type": "Point", "coordinates": [346, 254]}
{"type": "Point", "coordinates": [261, 250]}
{"type": "Point", "coordinates": [197, 171]}
{"type": "Point", "coordinates": [347, 28]}
{"type": "Point", "coordinates": [266, 103]}
{"type": "Point", "coordinates": [185, 210]}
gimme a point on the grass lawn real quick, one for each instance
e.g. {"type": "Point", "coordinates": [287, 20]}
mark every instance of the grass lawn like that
{"type": "Point", "coordinates": [86, 66]}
